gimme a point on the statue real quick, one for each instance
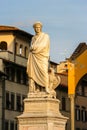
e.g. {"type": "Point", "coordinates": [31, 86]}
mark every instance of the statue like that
{"type": "Point", "coordinates": [54, 81]}
{"type": "Point", "coordinates": [37, 66]}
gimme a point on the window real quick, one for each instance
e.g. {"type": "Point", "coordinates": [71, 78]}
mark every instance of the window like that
{"type": "Point", "coordinates": [77, 128]}
{"type": "Point", "coordinates": [84, 85]}
{"type": "Point", "coordinates": [18, 103]}
{"type": "Point", "coordinates": [20, 49]}
{"type": "Point", "coordinates": [77, 113]}
{"type": "Point", "coordinates": [63, 103]}
{"type": "Point", "coordinates": [18, 74]}
{"type": "Point", "coordinates": [83, 114]}
{"type": "Point", "coordinates": [11, 125]}
{"type": "Point", "coordinates": [10, 71]}
{"type": "Point", "coordinates": [8, 103]}
{"type": "Point", "coordinates": [7, 72]}
{"type": "Point", "coordinates": [24, 77]}
{"type": "Point", "coordinates": [3, 45]}
{"type": "Point", "coordinates": [12, 101]}
{"type": "Point", "coordinates": [12, 74]}
{"type": "Point", "coordinates": [21, 76]}
{"type": "Point", "coordinates": [15, 126]}
{"type": "Point", "coordinates": [83, 91]}
{"type": "Point", "coordinates": [6, 125]}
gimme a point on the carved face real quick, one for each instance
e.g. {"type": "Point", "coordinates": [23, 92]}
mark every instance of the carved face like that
{"type": "Point", "coordinates": [37, 28]}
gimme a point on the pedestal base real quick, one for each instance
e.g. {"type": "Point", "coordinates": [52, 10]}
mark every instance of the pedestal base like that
{"type": "Point", "coordinates": [41, 114]}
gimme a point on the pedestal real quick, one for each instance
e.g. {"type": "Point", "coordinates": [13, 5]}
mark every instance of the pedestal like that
{"type": "Point", "coordinates": [41, 113]}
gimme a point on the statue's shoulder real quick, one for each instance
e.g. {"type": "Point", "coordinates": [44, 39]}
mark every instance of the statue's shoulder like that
{"type": "Point", "coordinates": [46, 35]}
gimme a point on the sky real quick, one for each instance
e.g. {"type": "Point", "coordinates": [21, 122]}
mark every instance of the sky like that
{"type": "Point", "coordinates": [65, 21]}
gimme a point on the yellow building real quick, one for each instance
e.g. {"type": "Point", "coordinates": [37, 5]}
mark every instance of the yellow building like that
{"type": "Point", "coordinates": [77, 86]}
{"type": "Point", "coordinates": [74, 71]}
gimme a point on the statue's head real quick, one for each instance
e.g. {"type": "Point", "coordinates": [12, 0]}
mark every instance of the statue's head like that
{"type": "Point", "coordinates": [38, 23]}
{"type": "Point", "coordinates": [37, 27]}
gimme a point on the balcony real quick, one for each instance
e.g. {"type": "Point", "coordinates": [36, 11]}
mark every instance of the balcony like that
{"type": "Point", "coordinates": [18, 59]}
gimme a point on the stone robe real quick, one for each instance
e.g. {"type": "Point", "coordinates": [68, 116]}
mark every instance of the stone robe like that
{"type": "Point", "coordinates": [37, 65]}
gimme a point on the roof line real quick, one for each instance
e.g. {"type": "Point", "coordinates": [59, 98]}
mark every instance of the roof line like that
{"type": "Point", "coordinates": [78, 51]}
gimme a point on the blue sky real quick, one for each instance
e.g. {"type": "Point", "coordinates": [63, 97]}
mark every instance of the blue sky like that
{"type": "Point", "coordinates": [64, 20]}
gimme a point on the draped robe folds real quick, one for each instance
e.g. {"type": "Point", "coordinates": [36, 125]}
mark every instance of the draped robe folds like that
{"type": "Point", "coordinates": [37, 65]}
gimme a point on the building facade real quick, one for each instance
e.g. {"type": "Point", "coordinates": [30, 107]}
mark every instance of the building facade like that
{"type": "Point", "coordinates": [14, 49]}
{"type": "Point", "coordinates": [78, 61]}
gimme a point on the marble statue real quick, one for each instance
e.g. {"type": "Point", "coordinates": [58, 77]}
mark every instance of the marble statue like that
{"type": "Point", "coordinates": [37, 66]}
{"type": "Point", "coordinates": [54, 81]}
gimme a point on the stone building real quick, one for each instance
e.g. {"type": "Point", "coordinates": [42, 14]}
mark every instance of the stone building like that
{"type": "Point", "coordinates": [14, 49]}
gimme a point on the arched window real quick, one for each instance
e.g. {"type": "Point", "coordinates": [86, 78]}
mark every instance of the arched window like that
{"type": "Point", "coordinates": [20, 49]}
{"type": "Point", "coordinates": [3, 45]}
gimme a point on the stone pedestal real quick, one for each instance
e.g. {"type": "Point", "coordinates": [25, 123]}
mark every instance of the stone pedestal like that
{"type": "Point", "coordinates": [41, 113]}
